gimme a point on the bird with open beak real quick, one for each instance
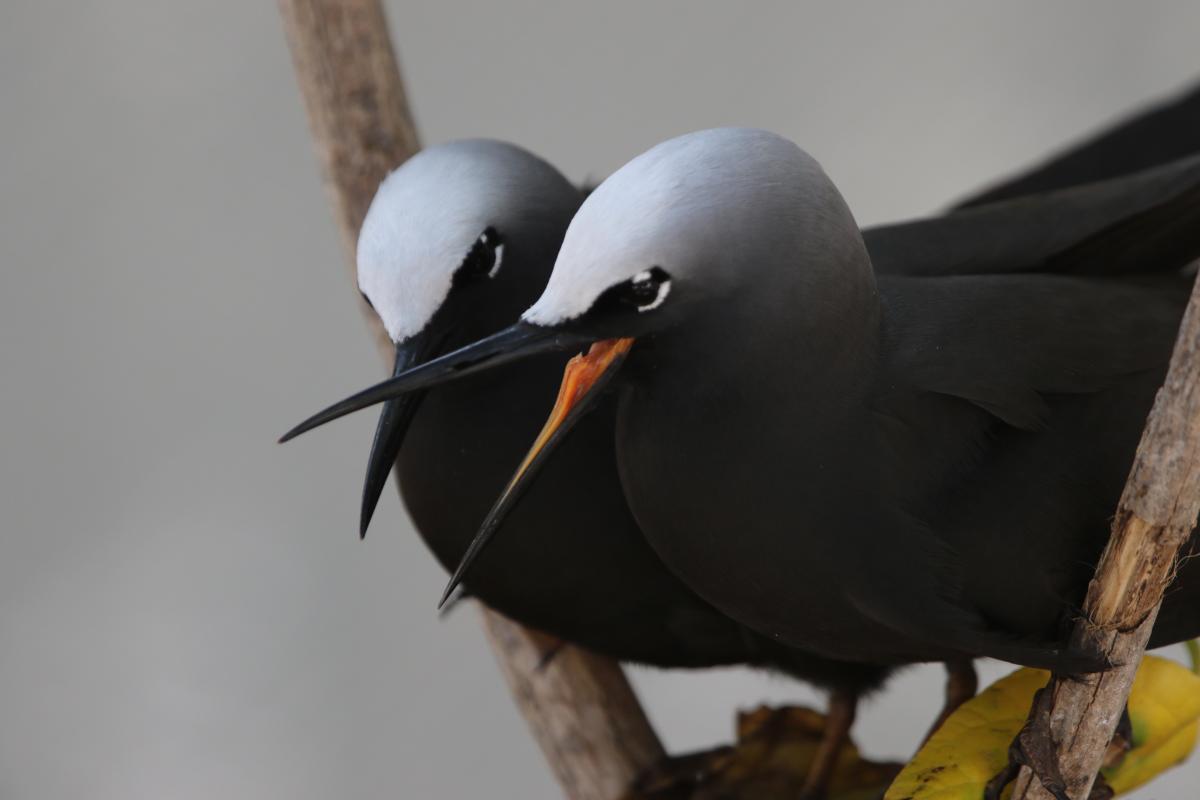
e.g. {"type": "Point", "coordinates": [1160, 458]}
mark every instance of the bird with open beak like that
{"type": "Point", "coordinates": [876, 468]}
{"type": "Point", "coordinates": [456, 243]}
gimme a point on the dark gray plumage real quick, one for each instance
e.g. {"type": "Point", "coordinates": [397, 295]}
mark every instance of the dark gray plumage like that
{"type": "Point", "coordinates": [923, 437]}
{"type": "Point", "coordinates": [454, 448]}
{"type": "Point", "coordinates": [1164, 131]}
{"type": "Point", "coordinates": [841, 461]}
{"type": "Point", "coordinates": [1010, 237]}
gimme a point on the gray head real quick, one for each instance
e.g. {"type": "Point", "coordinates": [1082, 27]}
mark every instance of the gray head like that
{"type": "Point", "coordinates": [458, 215]}
{"type": "Point", "coordinates": [704, 217]}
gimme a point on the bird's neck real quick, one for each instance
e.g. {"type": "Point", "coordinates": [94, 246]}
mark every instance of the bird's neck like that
{"type": "Point", "coordinates": [813, 345]}
{"type": "Point", "coordinates": [797, 363]}
{"type": "Point", "coordinates": [762, 415]}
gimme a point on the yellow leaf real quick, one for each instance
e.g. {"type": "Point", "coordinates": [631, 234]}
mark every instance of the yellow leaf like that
{"type": "Point", "coordinates": [972, 746]}
{"type": "Point", "coordinates": [1164, 707]}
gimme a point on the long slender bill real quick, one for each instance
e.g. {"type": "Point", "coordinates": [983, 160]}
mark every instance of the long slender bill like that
{"type": "Point", "coordinates": [394, 420]}
{"type": "Point", "coordinates": [515, 342]}
{"type": "Point", "coordinates": [584, 378]}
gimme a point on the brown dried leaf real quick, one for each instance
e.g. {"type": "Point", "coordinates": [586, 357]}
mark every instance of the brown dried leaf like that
{"type": "Point", "coordinates": [771, 758]}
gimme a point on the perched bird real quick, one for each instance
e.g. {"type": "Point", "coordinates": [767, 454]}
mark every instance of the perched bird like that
{"type": "Point", "coordinates": [456, 243]}
{"type": "Point", "coordinates": [949, 449]}
{"type": "Point", "coordinates": [441, 275]}
{"type": "Point", "coordinates": [877, 468]}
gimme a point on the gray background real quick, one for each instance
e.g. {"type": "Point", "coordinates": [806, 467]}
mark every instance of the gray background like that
{"type": "Point", "coordinates": [185, 610]}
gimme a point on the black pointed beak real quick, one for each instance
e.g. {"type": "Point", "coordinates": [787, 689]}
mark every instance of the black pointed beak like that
{"type": "Point", "coordinates": [394, 420]}
{"type": "Point", "coordinates": [583, 381]}
{"type": "Point", "coordinates": [511, 344]}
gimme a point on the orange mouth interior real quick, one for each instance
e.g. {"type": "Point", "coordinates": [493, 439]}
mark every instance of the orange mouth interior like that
{"type": "Point", "coordinates": [579, 377]}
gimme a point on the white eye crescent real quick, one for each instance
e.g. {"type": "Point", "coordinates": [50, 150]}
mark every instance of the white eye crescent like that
{"type": "Point", "coordinates": [483, 259]}
{"type": "Point", "coordinates": [664, 289]}
{"type": "Point", "coordinates": [499, 258]}
{"type": "Point", "coordinates": [648, 289]}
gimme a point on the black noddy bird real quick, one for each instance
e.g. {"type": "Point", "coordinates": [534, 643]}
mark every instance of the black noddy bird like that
{"type": "Point", "coordinates": [877, 468]}
{"type": "Point", "coordinates": [484, 181]}
{"type": "Point", "coordinates": [457, 242]}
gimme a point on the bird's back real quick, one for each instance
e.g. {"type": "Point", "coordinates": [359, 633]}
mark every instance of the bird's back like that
{"type": "Point", "coordinates": [1013, 407]}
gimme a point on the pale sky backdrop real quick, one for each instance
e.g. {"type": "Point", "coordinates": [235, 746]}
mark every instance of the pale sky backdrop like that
{"type": "Point", "coordinates": [185, 609]}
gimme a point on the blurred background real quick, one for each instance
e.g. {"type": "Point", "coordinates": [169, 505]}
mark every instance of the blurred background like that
{"type": "Point", "coordinates": [185, 608]}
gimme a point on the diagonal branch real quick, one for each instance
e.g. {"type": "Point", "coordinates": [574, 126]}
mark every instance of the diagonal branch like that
{"type": "Point", "coordinates": [580, 706]}
{"type": "Point", "coordinates": [1154, 520]}
{"type": "Point", "coordinates": [357, 108]}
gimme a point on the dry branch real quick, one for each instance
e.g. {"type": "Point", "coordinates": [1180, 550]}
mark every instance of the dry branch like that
{"type": "Point", "coordinates": [357, 108]}
{"type": "Point", "coordinates": [1154, 520]}
{"type": "Point", "coordinates": [581, 708]}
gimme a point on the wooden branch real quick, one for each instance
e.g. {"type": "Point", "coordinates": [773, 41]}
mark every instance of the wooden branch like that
{"type": "Point", "coordinates": [580, 706]}
{"type": "Point", "coordinates": [357, 108]}
{"type": "Point", "coordinates": [559, 686]}
{"type": "Point", "coordinates": [1154, 520]}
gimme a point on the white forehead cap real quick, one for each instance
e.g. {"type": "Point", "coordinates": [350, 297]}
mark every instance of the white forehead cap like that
{"type": "Point", "coordinates": [639, 217]}
{"type": "Point", "coordinates": [424, 219]}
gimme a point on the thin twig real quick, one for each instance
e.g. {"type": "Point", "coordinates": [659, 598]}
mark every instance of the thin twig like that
{"type": "Point", "coordinates": [580, 706]}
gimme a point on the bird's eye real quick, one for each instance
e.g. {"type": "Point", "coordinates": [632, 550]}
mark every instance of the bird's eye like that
{"type": "Point", "coordinates": [483, 259]}
{"type": "Point", "coordinates": [645, 291]}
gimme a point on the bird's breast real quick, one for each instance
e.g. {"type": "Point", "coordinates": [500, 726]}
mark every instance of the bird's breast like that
{"type": "Point", "coordinates": [749, 508]}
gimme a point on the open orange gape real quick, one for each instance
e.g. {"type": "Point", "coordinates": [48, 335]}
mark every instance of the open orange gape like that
{"type": "Point", "coordinates": [580, 375]}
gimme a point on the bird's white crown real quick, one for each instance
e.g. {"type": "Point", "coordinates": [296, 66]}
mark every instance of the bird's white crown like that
{"type": "Point", "coordinates": [660, 209]}
{"type": "Point", "coordinates": [429, 213]}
